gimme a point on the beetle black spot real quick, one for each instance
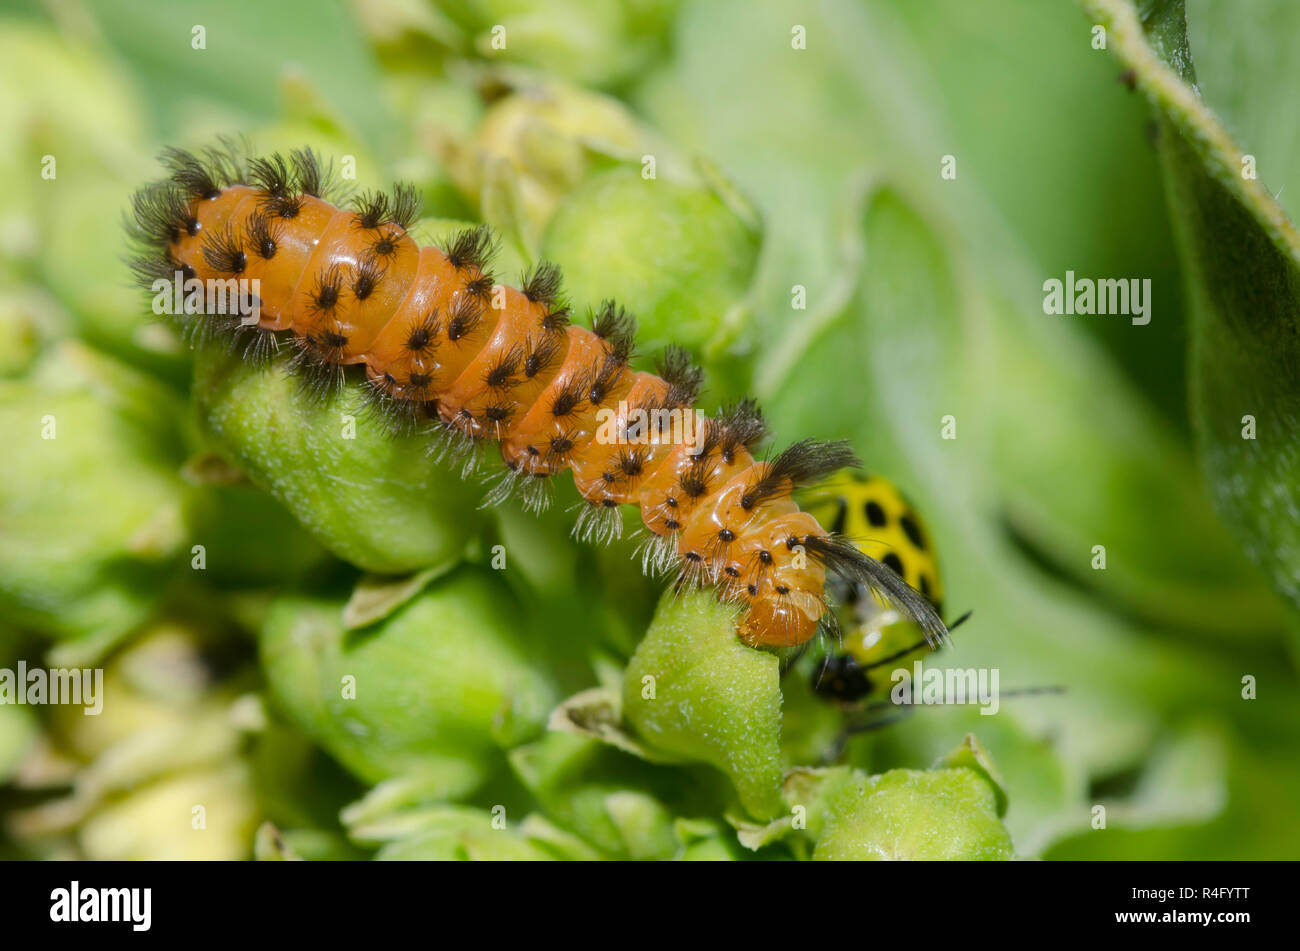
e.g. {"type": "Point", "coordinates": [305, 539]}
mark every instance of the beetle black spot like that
{"type": "Point", "coordinates": [912, 531]}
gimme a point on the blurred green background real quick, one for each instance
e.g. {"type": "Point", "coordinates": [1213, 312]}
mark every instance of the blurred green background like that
{"type": "Point", "coordinates": [782, 174]}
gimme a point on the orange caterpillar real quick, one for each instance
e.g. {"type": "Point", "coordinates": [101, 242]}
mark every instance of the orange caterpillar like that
{"type": "Point", "coordinates": [445, 347]}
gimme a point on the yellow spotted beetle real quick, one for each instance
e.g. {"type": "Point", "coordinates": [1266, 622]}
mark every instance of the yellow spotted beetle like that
{"type": "Point", "coordinates": [871, 512]}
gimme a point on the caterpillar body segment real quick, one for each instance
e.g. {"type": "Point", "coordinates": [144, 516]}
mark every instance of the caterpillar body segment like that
{"type": "Point", "coordinates": [443, 346]}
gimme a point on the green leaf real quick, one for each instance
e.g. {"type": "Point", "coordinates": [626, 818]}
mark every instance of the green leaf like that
{"type": "Point", "coordinates": [329, 52]}
{"type": "Point", "coordinates": [598, 714]}
{"type": "Point", "coordinates": [377, 596]}
{"type": "Point", "coordinates": [1242, 257]}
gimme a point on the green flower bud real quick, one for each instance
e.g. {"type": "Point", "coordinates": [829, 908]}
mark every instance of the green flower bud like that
{"type": "Point", "coordinates": [248, 539]}
{"type": "Point", "coordinates": [436, 690]}
{"type": "Point", "coordinates": [301, 791]}
{"type": "Point", "coordinates": [160, 822]}
{"type": "Point", "coordinates": [90, 509]}
{"type": "Point", "coordinates": [592, 42]}
{"type": "Point", "coordinates": [601, 794]}
{"type": "Point", "coordinates": [695, 692]}
{"type": "Point", "coordinates": [18, 730]}
{"type": "Point", "coordinates": [156, 773]}
{"type": "Point", "coordinates": [160, 679]}
{"type": "Point", "coordinates": [452, 833]}
{"type": "Point", "coordinates": [914, 814]}
{"type": "Point", "coordinates": [539, 143]}
{"type": "Point", "coordinates": [372, 498]}
{"type": "Point", "coordinates": [705, 840]}
{"type": "Point", "coordinates": [676, 255]}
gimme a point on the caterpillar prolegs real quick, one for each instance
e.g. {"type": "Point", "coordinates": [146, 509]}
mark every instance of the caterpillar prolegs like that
{"type": "Point", "coordinates": [446, 348]}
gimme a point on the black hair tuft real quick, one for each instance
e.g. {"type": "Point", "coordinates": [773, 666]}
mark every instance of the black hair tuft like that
{"type": "Point", "coordinates": [399, 416]}
{"type": "Point", "coordinates": [541, 354]}
{"type": "Point", "coordinates": [840, 556]}
{"type": "Point", "coordinates": [617, 328]}
{"type": "Point", "coordinates": [148, 268]}
{"type": "Point", "coordinates": [259, 345]}
{"type": "Point", "coordinates": [272, 175]}
{"type": "Point", "coordinates": [422, 338]}
{"type": "Point", "coordinates": [503, 373]}
{"type": "Point", "coordinates": [160, 215]}
{"type": "Point", "coordinates": [464, 317]}
{"type": "Point", "coordinates": [541, 283]}
{"type": "Point", "coordinates": [684, 378]}
{"type": "Point", "coordinates": [481, 286]}
{"type": "Point", "coordinates": [556, 318]}
{"type": "Point", "coordinates": [262, 235]}
{"type": "Point", "coordinates": [366, 277]}
{"type": "Point", "coordinates": [224, 253]}
{"type": "Point", "coordinates": [737, 424]}
{"type": "Point", "coordinates": [801, 463]}
{"type": "Point", "coordinates": [312, 176]}
{"type": "Point", "coordinates": [376, 208]}
{"type": "Point", "coordinates": [326, 290]}
{"type": "Point", "coordinates": [317, 359]}
{"type": "Point", "coordinates": [472, 248]}
{"type": "Point", "coordinates": [204, 176]}
{"type": "Point", "coordinates": [386, 242]}
{"type": "Point", "coordinates": [570, 396]}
